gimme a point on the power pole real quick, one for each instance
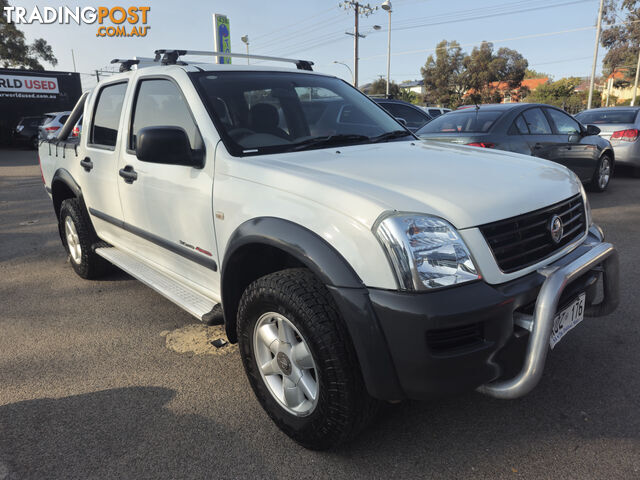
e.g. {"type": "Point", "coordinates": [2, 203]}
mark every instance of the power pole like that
{"type": "Point", "coordinates": [595, 54]}
{"type": "Point", "coordinates": [359, 9]}
{"type": "Point", "coordinates": [635, 84]}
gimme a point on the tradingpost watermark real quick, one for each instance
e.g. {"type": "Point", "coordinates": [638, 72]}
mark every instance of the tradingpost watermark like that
{"type": "Point", "coordinates": [115, 21]}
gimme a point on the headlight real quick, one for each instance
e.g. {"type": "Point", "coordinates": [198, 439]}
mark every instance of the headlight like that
{"type": "Point", "coordinates": [425, 252]}
{"type": "Point", "coordinates": [587, 206]}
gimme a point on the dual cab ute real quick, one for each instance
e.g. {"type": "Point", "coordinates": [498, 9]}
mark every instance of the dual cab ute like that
{"type": "Point", "coordinates": [353, 263]}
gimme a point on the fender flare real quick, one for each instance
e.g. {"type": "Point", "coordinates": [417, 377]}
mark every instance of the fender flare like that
{"type": "Point", "coordinates": [62, 175]}
{"type": "Point", "coordinates": [309, 248]}
{"type": "Point", "coordinates": [345, 286]}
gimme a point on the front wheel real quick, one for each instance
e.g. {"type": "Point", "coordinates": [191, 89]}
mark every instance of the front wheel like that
{"type": "Point", "coordinates": [299, 360]}
{"type": "Point", "coordinates": [602, 175]}
{"type": "Point", "coordinates": [78, 238]}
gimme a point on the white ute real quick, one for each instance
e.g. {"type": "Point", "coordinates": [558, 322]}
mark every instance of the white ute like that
{"type": "Point", "coordinates": [352, 263]}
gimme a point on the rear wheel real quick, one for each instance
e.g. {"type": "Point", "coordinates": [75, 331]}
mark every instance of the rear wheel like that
{"type": "Point", "coordinates": [78, 238]}
{"type": "Point", "coordinates": [602, 175]}
{"type": "Point", "coordinates": [299, 361]}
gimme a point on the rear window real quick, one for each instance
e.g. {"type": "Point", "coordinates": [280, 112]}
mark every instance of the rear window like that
{"type": "Point", "coordinates": [607, 116]}
{"type": "Point", "coordinates": [464, 121]}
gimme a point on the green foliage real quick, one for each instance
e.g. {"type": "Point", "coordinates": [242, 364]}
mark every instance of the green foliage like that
{"type": "Point", "coordinates": [621, 41]}
{"type": "Point", "coordinates": [561, 94]}
{"type": "Point", "coordinates": [442, 75]}
{"type": "Point", "coordinates": [531, 73]}
{"type": "Point", "coordinates": [16, 53]}
{"type": "Point", "coordinates": [379, 87]}
{"type": "Point", "coordinates": [453, 77]}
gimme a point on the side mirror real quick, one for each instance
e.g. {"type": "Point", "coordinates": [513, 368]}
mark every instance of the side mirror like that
{"type": "Point", "coordinates": [401, 120]}
{"type": "Point", "coordinates": [592, 130]}
{"type": "Point", "coordinates": [168, 145]}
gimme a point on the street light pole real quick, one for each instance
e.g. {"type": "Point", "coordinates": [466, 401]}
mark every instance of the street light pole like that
{"type": "Point", "coordinates": [245, 40]}
{"type": "Point", "coordinates": [386, 5]}
{"type": "Point", "coordinates": [595, 55]}
{"type": "Point", "coordinates": [635, 84]}
{"type": "Point", "coordinates": [348, 68]}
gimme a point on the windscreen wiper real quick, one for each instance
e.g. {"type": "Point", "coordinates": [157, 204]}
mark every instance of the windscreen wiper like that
{"type": "Point", "coordinates": [328, 141]}
{"type": "Point", "coordinates": [390, 135]}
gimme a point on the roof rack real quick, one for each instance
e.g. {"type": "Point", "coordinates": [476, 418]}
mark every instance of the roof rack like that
{"type": "Point", "coordinates": [170, 57]}
{"type": "Point", "coordinates": [128, 64]}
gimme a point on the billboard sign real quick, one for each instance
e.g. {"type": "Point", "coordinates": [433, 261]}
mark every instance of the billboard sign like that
{"type": "Point", "coordinates": [222, 36]}
{"type": "Point", "coordinates": [28, 86]}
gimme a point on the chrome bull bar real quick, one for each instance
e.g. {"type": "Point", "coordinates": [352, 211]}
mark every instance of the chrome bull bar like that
{"type": "Point", "coordinates": [557, 278]}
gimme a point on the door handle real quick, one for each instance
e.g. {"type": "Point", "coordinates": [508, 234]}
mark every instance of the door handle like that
{"type": "Point", "coordinates": [129, 174]}
{"type": "Point", "coordinates": [87, 164]}
{"type": "Point", "coordinates": [537, 146]}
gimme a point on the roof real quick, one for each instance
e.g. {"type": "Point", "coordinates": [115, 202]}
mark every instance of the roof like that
{"type": "Point", "coordinates": [626, 108]}
{"type": "Point", "coordinates": [530, 83]}
{"type": "Point", "coordinates": [414, 83]}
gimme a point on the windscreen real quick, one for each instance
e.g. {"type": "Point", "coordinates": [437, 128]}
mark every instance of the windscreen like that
{"type": "Point", "coordinates": [464, 121]}
{"type": "Point", "coordinates": [607, 116]}
{"type": "Point", "coordinates": [270, 112]}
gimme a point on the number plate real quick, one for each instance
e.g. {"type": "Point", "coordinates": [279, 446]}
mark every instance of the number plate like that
{"type": "Point", "coordinates": [566, 320]}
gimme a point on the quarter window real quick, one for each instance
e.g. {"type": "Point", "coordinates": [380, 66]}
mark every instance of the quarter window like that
{"type": "Point", "coordinates": [537, 122]}
{"type": "Point", "coordinates": [564, 123]}
{"type": "Point", "coordinates": [106, 118]}
{"type": "Point", "coordinates": [159, 103]}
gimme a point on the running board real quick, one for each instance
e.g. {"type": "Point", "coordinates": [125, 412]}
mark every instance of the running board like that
{"type": "Point", "coordinates": [193, 302]}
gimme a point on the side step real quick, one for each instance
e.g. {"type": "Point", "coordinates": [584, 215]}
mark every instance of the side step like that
{"type": "Point", "coordinates": [193, 302]}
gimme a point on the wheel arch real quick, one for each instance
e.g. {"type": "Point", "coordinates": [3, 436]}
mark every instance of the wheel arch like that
{"type": "Point", "coordinates": [267, 244]}
{"type": "Point", "coordinates": [63, 186]}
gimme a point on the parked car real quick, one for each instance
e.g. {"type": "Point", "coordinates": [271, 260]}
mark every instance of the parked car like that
{"type": "Point", "coordinates": [435, 111]}
{"type": "Point", "coordinates": [621, 126]}
{"type": "Point", "coordinates": [352, 267]}
{"type": "Point", "coordinates": [77, 129]}
{"type": "Point", "coordinates": [410, 115]}
{"type": "Point", "coordinates": [52, 123]}
{"type": "Point", "coordinates": [531, 129]}
{"type": "Point", "coordinates": [26, 132]}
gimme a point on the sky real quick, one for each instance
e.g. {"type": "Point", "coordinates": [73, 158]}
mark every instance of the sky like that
{"type": "Point", "coordinates": [556, 36]}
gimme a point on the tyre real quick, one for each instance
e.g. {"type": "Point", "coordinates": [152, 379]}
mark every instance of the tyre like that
{"type": "Point", "coordinates": [602, 175]}
{"type": "Point", "coordinates": [79, 238]}
{"type": "Point", "coordinates": [299, 361]}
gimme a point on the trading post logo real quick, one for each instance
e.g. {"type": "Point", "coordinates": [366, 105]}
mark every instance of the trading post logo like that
{"type": "Point", "coordinates": [112, 21]}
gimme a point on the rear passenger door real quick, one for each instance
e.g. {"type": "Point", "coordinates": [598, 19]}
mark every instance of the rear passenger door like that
{"type": "Point", "coordinates": [578, 156]}
{"type": "Point", "coordinates": [97, 170]}
{"type": "Point", "coordinates": [168, 208]}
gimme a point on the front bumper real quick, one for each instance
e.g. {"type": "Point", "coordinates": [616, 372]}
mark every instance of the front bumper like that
{"type": "Point", "coordinates": [491, 337]}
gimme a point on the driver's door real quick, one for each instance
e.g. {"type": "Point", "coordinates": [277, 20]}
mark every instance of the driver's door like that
{"type": "Point", "coordinates": [168, 207]}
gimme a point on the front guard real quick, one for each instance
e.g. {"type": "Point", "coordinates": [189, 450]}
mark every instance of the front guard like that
{"type": "Point", "coordinates": [602, 256]}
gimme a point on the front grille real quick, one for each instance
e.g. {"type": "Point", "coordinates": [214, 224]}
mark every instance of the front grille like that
{"type": "Point", "coordinates": [454, 338]}
{"type": "Point", "coordinates": [524, 240]}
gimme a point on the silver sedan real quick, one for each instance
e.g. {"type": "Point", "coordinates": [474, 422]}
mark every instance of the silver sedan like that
{"type": "Point", "coordinates": [621, 126]}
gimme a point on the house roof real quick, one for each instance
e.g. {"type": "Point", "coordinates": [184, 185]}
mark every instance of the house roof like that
{"type": "Point", "coordinates": [414, 83]}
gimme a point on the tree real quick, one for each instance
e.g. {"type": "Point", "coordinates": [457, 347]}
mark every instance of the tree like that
{"type": "Point", "coordinates": [561, 94]}
{"type": "Point", "coordinates": [15, 52]}
{"type": "Point", "coordinates": [622, 40]}
{"type": "Point", "coordinates": [531, 73]}
{"type": "Point", "coordinates": [486, 69]}
{"type": "Point", "coordinates": [379, 87]}
{"type": "Point", "coordinates": [442, 75]}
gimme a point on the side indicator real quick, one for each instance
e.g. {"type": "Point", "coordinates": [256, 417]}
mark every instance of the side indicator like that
{"type": "Point", "coordinates": [220, 215]}
{"type": "Point", "coordinates": [201, 250]}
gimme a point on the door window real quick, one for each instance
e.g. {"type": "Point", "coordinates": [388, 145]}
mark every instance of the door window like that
{"type": "Point", "coordinates": [564, 123]}
{"type": "Point", "coordinates": [521, 126]}
{"type": "Point", "coordinates": [537, 122]}
{"type": "Point", "coordinates": [106, 117]}
{"type": "Point", "coordinates": [413, 118]}
{"type": "Point", "coordinates": [160, 103]}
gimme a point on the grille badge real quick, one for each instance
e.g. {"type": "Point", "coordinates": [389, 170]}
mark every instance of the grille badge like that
{"type": "Point", "coordinates": [556, 229]}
